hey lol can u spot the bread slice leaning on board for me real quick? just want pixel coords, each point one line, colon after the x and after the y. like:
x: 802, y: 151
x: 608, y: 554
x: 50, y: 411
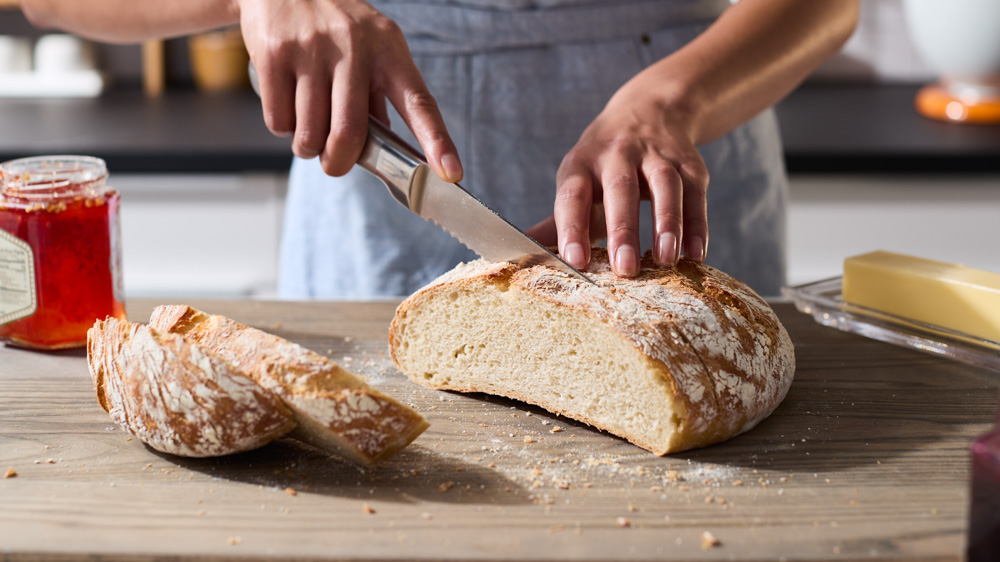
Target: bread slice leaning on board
x: 176, y: 396
x: 673, y: 359
x: 333, y: 408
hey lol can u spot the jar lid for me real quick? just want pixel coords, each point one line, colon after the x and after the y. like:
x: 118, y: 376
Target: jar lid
x: 49, y: 176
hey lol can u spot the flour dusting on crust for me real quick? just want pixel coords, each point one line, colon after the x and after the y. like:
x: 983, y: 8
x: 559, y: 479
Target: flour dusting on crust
x: 722, y: 355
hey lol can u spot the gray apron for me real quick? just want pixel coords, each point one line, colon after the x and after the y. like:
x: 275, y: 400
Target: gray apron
x: 517, y: 82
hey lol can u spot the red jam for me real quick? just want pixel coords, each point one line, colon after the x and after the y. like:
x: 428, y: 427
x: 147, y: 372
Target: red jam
x: 60, y: 253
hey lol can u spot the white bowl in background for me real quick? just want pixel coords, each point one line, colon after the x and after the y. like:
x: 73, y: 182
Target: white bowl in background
x: 15, y: 54
x: 62, y: 54
x: 959, y: 39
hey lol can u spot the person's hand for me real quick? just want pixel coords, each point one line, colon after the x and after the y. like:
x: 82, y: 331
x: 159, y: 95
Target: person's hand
x: 637, y: 148
x: 324, y: 65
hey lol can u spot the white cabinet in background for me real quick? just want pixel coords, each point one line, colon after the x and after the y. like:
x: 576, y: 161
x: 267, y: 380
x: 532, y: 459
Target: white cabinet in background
x: 947, y: 218
x: 200, y: 235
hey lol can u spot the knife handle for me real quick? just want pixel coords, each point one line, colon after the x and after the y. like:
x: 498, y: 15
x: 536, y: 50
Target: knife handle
x: 392, y: 160
x: 385, y: 155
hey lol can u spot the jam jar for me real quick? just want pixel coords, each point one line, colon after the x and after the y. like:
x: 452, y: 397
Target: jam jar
x: 60, y: 251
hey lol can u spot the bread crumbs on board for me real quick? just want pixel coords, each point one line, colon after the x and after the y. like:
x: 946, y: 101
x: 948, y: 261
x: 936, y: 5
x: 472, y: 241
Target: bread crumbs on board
x: 708, y: 541
x: 11, y: 473
x: 291, y: 491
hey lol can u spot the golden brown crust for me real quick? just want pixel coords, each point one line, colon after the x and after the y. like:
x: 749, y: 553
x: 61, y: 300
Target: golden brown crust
x: 334, y: 409
x: 724, y: 358
x: 177, y: 397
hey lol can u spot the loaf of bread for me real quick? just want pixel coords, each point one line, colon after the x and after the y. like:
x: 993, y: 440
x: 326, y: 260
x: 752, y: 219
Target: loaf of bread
x: 673, y: 359
x: 333, y: 409
x: 177, y: 397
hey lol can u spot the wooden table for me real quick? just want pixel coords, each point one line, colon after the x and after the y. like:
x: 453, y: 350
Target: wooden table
x: 867, y: 457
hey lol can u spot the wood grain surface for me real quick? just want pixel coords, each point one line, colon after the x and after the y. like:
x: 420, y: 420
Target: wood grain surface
x: 866, y: 458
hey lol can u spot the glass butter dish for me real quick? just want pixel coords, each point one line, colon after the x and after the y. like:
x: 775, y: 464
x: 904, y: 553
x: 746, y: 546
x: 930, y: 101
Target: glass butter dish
x: 822, y: 300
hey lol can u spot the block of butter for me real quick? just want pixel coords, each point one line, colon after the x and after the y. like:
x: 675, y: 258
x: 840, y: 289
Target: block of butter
x: 947, y: 295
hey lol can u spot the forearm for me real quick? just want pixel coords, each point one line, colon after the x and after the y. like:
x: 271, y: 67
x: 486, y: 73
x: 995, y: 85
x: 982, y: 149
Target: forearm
x: 127, y: 21
x: 751, y: 57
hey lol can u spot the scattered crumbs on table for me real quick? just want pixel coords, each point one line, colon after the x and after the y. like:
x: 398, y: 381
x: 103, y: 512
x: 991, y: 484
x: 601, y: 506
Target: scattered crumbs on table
x: 708, y: 541
x: 623, y: 522
x: 445, y: 486
x: 291, y: 491
x: 233, y: 541
x: 11, y: 473
x: 367, y: 509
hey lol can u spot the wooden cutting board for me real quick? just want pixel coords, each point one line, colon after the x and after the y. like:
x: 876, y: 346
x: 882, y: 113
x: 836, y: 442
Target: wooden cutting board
x: 867, y: 457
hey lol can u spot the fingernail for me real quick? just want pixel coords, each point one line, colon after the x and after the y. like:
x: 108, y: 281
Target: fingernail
x: 573, y: 254
x: 666, y: 249
x: 695, y: 250
x: 626, y: 260
x: 452, y: 168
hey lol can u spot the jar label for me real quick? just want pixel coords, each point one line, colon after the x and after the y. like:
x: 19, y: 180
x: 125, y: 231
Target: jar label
x: 17, y: 279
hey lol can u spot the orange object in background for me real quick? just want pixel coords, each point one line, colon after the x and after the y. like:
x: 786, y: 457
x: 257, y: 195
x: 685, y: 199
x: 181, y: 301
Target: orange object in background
x: 60, y: 252
x: 937, y: 102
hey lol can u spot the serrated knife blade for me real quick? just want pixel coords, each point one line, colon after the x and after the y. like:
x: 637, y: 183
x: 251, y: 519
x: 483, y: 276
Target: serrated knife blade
x: 413, y: 184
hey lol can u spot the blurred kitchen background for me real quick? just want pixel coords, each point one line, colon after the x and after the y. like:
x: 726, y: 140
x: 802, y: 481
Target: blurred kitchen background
x: 203, y: 182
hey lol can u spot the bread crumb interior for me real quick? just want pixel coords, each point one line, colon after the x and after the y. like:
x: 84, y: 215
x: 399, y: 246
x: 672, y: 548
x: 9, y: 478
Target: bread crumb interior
x: 503, y: 340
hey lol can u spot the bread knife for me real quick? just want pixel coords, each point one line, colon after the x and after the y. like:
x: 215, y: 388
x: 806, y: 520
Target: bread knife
x: 412, y: 183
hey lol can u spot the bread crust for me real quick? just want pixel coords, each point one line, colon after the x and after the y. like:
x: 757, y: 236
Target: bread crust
x: 334, y: 409
x: 177, y: 397
x: 723, y: 357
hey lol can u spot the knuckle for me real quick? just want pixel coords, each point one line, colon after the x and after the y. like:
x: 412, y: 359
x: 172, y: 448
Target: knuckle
x: 662, y: 172
x: 694, y: 167
x: 572, y: 232
x: 573, y: 192
x: 667, y: 217
x: 386, y: 27
x: 275, y: 51
x: 622, y: 228
x: 347, y: 135
x: 307, y: 141
x: 419, y: 99
x: 621, y: 183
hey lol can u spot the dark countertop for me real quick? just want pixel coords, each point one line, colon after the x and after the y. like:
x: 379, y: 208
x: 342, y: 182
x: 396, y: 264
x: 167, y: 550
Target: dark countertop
x: 184, y: 131
x: 869, y: 128
x: 826, y: 129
